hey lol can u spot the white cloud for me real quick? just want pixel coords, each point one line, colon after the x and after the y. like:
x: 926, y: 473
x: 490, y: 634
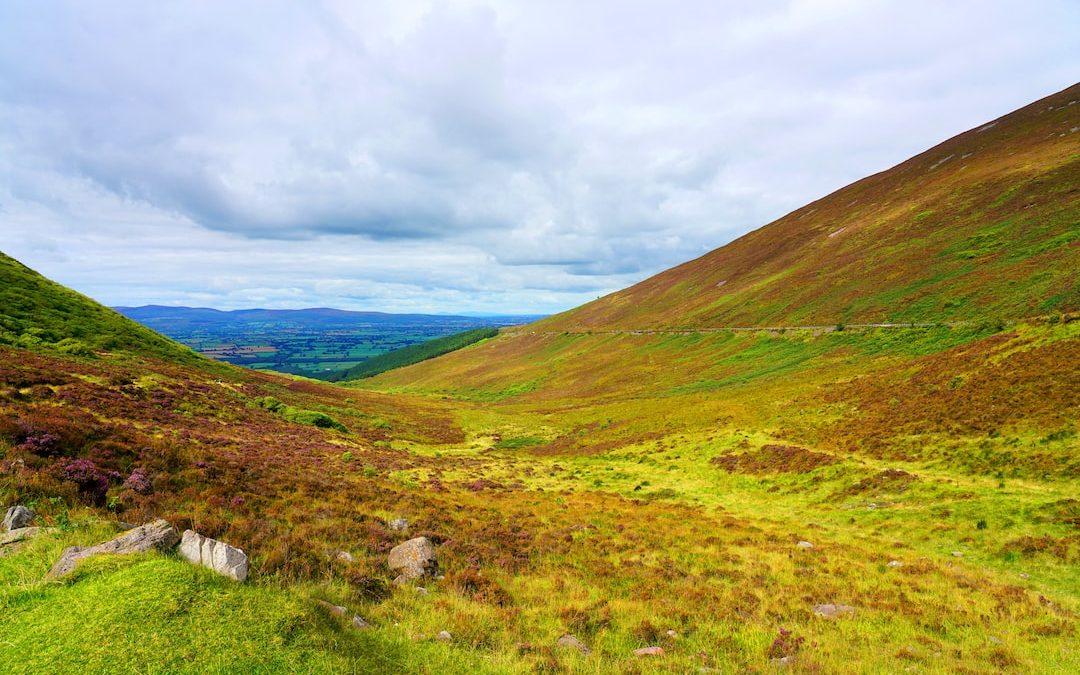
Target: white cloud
x: 467, y: 156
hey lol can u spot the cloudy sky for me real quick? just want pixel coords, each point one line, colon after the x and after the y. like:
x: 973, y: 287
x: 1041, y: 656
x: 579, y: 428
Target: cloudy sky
x: 467, y: 156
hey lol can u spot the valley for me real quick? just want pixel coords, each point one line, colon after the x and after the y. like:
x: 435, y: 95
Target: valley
x: 313, y: 343
x: 844, y: 443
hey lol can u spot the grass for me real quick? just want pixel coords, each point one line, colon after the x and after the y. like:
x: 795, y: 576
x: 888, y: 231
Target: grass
x: 407, y: 356
x: 97, y: 622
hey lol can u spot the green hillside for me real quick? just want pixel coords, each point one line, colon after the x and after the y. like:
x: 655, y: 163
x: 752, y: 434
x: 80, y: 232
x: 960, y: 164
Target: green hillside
x: 39, y: 313
x: 985, y: 224
x: 406, y: 356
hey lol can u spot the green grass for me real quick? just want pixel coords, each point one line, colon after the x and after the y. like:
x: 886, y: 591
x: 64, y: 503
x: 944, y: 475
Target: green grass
x: 157, y: 613
x: 406, y: 356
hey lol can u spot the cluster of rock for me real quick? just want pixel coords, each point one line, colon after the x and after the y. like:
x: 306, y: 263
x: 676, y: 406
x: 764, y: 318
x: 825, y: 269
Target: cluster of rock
x: 158, y: 535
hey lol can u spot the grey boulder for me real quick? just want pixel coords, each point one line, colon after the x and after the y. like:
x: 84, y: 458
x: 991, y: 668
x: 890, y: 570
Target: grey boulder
x: 18, y: 517
x: 414, y: 559
x: 226, y: 560
x: 158, y: 535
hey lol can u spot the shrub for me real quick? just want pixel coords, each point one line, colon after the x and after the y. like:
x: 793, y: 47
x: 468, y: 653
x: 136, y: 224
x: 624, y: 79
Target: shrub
x: 139, y: 483
x: 92, y: 482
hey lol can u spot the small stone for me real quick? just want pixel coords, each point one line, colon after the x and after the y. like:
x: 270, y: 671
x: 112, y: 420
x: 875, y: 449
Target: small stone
x: 18, y: 517
x: 336, y: 610
x: 359, y: 623
x: 784, y: 660
x: 444, y: 636
x: 804, y: 544
x: 895, y: 563
x: 995, y: 640
x: 958, y: 554
x: 571, y: 642
x: 672, y: 634
x: 398, y: 524
x: 1025, y: 575
x: 831, y: 611
x: 344, y: 556
x: 649, y: 651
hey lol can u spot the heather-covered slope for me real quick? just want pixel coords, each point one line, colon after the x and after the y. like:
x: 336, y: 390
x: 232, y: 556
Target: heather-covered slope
x: 986, y: 224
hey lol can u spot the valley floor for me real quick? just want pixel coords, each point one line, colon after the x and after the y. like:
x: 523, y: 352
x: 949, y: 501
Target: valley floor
x: 709, y: 495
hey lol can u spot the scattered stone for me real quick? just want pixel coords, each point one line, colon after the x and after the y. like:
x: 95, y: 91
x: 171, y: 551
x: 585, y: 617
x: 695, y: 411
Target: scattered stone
x: 228, y: 561
x: 895, y: 563
x: 159, y: 535
x: 398, y: 524
x: 444, y: 636
x: 672, y: 634
x: 784, y: 660
x: 831, y: 611
x: 415, y: 559
x: 649, y: 651
x: 421, y: 590
x: 20, y: 534
x: 336, y: 610
x: 344, y: 556
x: 1025, y: 575
x: 958, y: 554
x: 18, y: 517
x: 995, y: 640
x: 571, y: 642
x: 804, y: 544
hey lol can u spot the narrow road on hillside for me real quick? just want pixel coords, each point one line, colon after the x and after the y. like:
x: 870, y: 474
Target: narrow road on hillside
x: 735, y: 329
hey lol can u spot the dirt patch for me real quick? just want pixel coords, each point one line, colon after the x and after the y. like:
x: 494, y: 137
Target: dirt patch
x: 775, y: 459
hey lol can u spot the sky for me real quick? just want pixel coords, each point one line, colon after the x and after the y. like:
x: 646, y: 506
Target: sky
x: 467, y: 157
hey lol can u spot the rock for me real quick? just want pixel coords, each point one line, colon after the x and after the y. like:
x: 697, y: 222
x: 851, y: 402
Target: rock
x: 335, y: 610
x: 895, y: 563
x: 1024, y: 575
x: 444, y: 636
x: 398, y: 524
x: 414, y: 558
x: 228, y: 561
x: 804, y: 544
x: 20, y: 534
x: 784, y: 660
x: 159, y: 535
x: 571, y: 642
x: 831, y: 611
x: 672, y: 634
x: 344, y: 556
x: 649, y: 651
x: 958, y: 554
x: 18, y: 517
